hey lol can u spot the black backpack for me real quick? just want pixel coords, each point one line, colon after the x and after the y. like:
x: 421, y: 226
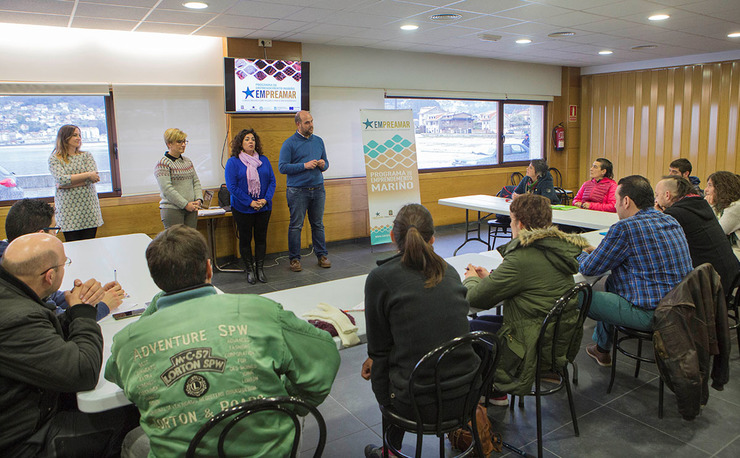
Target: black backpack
x: 224, y: 198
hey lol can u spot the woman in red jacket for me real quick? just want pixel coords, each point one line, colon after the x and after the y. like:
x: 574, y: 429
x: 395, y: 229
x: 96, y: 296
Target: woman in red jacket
x: 598, y: 192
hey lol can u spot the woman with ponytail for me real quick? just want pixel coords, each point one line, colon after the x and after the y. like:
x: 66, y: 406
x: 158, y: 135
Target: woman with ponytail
x: 414, y: 302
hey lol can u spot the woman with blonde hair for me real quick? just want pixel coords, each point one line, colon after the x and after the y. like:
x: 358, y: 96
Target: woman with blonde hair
x: 179, y: 185
x: 414, y: 302
x: 75, y: 173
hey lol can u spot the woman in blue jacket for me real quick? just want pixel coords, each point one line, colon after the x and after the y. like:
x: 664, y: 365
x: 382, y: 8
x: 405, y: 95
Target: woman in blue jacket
x: 251, y: 182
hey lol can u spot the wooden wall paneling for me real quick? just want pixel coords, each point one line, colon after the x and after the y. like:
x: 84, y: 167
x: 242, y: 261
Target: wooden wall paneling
x: 708, y: 127
x: 733, y: 120
x: 670, y: 125
x: 658, y: 100
x: 696, y: 122
x: 722, y: 110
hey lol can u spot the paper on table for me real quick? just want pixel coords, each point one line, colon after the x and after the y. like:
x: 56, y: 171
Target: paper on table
x: 211, y: 212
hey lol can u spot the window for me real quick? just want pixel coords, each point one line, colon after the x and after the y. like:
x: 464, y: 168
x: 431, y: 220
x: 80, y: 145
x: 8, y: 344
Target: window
x: 454, y: 133
x: 28, y: 130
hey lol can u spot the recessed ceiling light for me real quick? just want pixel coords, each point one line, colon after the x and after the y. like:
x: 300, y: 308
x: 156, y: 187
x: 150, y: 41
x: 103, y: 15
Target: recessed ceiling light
x: 606, y: 53
x: 524, y: 41
x: 409, y: 27
x: 445, y: 17
x: 658, y: 17
x: 733, y: 35
x: 561, y: 34
x: 195, y: 5
x: 638, y: 47
x: 489, y: 37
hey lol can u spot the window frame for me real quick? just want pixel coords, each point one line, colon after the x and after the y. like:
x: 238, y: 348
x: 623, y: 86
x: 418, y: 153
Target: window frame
x: 112, y: 147
x: 500, y: 122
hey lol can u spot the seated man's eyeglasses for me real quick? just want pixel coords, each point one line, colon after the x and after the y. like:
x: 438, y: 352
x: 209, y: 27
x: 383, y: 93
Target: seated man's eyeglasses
x: 65, y: 263
x: 52, y: 230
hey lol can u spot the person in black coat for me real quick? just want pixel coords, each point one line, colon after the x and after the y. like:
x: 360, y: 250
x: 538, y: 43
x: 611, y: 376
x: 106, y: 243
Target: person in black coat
x: 538, y: 181
x: 676, y: 196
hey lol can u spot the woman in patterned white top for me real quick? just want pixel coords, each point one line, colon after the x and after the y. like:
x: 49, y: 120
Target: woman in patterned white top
x: 179, y: 185
x: 76, y: 199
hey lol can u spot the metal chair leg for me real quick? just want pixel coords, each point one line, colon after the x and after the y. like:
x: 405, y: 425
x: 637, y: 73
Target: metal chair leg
x: 615, y: 335
x: 639, y: 355
x: 571, y: 404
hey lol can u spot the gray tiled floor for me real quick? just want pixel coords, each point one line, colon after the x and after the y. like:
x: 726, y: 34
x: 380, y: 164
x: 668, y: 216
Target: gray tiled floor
x: 621, y: 424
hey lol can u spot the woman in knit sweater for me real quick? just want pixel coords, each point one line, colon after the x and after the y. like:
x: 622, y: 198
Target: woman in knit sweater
x: 179, y: 185
x: 76, y: 199
x: 723, y: 194
x: 598, y: 192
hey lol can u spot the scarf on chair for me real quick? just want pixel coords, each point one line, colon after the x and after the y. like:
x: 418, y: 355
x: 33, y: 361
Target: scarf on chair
x: 253, y: 178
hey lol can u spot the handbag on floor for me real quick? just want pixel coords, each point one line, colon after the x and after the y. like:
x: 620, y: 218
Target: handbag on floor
x: 489, y: 441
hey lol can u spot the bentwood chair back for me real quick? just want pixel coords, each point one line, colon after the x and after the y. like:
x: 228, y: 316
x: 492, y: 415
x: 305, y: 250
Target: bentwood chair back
x: 553, y: 336
x: 281, y: 405
x: 433, y: 365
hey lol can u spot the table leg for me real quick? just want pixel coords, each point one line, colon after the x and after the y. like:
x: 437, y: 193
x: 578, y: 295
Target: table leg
x: 212, y: 242
x: 475, y: 229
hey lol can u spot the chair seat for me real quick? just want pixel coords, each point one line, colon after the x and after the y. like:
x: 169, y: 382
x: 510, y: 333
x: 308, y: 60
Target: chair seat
x: 410, y: 425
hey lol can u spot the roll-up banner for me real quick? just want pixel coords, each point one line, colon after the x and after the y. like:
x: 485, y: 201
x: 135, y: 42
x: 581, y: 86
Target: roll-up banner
x: 389, y: 147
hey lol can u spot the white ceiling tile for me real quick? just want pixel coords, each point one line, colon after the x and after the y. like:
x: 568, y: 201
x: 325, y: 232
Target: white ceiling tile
x: 488, y: 6
x: 606, y: 26
x: 179, y: 17
x: 242, y: 22
x: 575, y: 4
x: 533, y: 12
x: 214, y: 6
x: 311, y: 14
x: 284, y: 25
x: 710, y: 6
x: 231, y: 32
x: 356, y: 19
x: 489, y: 22
x: 627, y: 8
x: 36, y: 6
x: 34, y: 19
x: 331, y: 29
x: 571, y: 19
x: 263, y: 9
x: 351, y: 41
x: 137, y: 3
x: 393, y: 9
x: 157, y: 27
x: 92, y: 10
x: 103, y: 24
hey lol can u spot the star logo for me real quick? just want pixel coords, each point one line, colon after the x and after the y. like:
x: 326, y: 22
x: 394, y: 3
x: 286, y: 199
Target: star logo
x: 367, y: 123
x: 248, y: 93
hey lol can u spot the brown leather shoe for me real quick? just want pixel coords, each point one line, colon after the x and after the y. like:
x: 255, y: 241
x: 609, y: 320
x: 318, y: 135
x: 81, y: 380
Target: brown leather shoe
x: 604, y: 359
x: 295, y: 265
x: 323, y: 262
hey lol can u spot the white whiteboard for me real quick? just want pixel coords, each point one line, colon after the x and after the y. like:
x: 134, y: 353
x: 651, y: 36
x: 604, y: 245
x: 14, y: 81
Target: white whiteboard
x: 336, y: 118
x: 143, y: 113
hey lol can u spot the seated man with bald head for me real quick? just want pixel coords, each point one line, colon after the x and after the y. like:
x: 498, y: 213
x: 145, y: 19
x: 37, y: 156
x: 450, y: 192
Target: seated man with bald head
x: 43, y: 355
x: 676, y: 196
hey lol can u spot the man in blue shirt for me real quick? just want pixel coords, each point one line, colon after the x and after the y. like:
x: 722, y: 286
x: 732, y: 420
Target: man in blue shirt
x: 647, y: 254
x: 303, y: 160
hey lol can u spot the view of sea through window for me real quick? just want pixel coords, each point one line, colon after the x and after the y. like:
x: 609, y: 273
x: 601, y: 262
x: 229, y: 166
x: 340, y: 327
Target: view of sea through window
x: 28, y: 130
x: 465, y: 133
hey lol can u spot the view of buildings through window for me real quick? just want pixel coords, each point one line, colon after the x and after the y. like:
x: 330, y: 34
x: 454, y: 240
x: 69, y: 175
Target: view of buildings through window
x: 28, y: 130
x: 465, y: 133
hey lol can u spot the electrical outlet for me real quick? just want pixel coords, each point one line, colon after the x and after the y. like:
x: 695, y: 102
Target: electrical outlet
x: 265, y: 43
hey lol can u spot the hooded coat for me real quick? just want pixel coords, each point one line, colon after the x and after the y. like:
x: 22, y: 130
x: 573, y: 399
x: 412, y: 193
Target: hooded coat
x: 537, y: 269
x: 707, y: 240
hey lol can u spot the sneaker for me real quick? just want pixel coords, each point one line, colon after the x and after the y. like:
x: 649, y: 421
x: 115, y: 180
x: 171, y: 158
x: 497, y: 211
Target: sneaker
x: 375, y: 451
x: 323, y: 262
x: 604, y: 359
x: 295, y: 265
x: 501, y: 401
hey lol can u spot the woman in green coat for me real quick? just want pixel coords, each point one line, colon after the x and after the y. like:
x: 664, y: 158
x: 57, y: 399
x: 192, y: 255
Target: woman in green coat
x: 538, y: 268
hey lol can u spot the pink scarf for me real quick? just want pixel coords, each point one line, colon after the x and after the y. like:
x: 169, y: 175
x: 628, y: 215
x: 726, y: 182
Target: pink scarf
x: 253, y: 178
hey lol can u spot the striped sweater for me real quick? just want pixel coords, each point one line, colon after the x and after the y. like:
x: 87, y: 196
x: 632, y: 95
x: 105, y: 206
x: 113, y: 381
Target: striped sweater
x: 178, y: 182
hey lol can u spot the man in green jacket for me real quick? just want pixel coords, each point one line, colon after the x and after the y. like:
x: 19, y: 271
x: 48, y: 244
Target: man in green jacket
x: 538, y: 268
x: 195, y: 353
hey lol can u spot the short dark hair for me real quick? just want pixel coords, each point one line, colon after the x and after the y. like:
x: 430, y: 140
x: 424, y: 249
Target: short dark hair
x: 606, y: 164
x: 177, y: 258
x: 26, y: 217
x: 236, y: 143
x: 532, y: 210
x: 540, y: 166
x: 637, y: 188
x: 679, y: 186
x: 683, y: 165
